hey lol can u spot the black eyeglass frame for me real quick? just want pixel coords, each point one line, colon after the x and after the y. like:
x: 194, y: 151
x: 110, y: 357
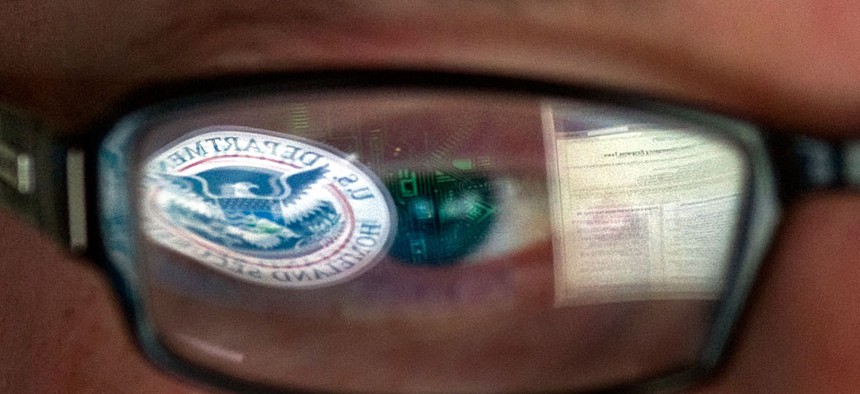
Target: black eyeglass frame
x: 60, y: 193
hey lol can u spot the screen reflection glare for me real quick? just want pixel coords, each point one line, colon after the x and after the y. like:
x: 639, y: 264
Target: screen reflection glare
x: 533, y: 245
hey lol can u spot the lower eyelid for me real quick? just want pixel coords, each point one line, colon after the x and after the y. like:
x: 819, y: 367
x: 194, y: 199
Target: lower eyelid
x: 393, y: 291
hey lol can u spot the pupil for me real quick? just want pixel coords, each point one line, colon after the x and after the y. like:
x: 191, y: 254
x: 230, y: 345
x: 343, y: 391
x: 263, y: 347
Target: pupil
x: 442, y: 217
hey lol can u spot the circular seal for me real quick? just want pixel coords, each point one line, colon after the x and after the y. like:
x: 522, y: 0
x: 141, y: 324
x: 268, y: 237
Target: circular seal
x: 268, y: 208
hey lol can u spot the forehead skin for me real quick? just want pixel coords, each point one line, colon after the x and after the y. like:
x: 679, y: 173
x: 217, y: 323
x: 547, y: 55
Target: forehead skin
x: 792, y: 63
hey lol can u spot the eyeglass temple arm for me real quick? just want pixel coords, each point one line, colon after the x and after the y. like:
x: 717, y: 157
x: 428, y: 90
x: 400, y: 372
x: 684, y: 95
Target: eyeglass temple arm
x: 42, y: 180
x: 804, y: 164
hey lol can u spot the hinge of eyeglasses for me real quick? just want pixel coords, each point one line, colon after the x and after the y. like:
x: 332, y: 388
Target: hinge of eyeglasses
x: 851, y: 163
x: 42, y: 179
x: 76, y: 195
x: 16, y: 169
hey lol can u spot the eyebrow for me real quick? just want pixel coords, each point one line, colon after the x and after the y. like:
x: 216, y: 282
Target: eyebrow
x: 337, y: 32
x: 101, y: 55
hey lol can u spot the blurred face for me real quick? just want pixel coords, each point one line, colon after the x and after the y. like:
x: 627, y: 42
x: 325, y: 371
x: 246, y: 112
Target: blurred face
x: 793, y: 67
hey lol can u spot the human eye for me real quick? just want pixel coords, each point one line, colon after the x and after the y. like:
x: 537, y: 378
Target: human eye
x: 467, y: 176
x: 463, y: 179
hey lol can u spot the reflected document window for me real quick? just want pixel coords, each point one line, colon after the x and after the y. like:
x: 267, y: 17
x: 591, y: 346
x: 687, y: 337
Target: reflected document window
x: 643, y: 210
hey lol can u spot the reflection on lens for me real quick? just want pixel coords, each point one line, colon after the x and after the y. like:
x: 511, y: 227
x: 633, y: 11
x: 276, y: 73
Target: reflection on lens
x: 533, y: 246
x: 642, y: 210
x: 443, y: 216
x: 267, y: 209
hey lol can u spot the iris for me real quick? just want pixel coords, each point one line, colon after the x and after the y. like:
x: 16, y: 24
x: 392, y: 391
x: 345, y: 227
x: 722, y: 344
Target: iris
x: 442, y: 216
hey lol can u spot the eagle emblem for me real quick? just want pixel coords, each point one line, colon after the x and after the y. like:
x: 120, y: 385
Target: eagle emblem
x: 257, y: 211
x: 265, y: 207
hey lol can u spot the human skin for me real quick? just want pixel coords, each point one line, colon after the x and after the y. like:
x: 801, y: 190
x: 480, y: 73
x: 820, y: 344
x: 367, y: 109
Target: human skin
x: 792, y: 65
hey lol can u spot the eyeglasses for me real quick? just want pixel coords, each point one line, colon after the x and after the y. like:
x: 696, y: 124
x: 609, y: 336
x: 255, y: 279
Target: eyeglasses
x: 418, y: 231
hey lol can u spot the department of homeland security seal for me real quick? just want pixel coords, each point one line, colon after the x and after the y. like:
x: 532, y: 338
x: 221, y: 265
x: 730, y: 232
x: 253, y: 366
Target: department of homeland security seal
x: 268, y: 208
